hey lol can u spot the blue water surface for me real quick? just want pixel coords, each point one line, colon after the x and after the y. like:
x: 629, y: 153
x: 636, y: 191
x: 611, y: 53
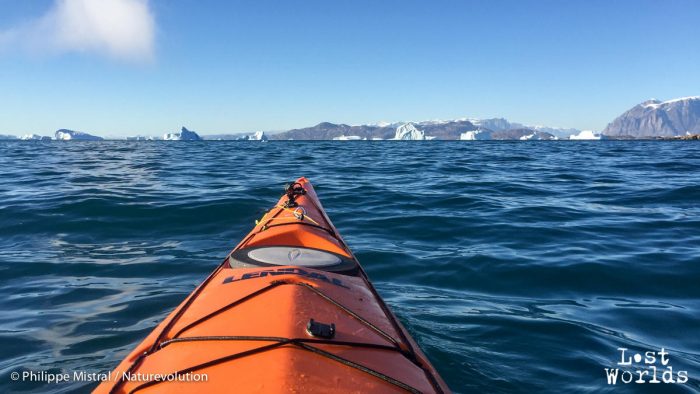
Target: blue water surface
x: 517, y: 266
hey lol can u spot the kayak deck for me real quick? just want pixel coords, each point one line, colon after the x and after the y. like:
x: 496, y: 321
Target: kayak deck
x: 289, y: 310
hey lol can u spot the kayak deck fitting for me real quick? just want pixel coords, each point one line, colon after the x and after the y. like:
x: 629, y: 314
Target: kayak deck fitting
x: 289, y: 310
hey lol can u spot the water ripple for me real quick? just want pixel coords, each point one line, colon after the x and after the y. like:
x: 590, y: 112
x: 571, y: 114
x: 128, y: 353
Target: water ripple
x: 519, y: 267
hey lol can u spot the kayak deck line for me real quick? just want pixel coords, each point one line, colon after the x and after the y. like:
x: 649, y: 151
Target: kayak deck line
x: 275, y: 339
x: 280, y: 341
x: 300, y: 342
x: 306, y: 285
x: 293, y: 284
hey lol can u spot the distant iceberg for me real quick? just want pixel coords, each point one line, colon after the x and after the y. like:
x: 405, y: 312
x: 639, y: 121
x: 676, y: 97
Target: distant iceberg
x: 184, y: 135
x: 492, y: 124
x: 408, y: 131
x: 474, y: 135
x: 348, y: 138
x: 259, y: 136
x: 586, y: 135
x: 36, y: 137
x: 538, y: 136
x: 68, y: 135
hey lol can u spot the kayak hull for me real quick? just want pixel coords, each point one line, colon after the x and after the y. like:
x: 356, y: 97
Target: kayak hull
x: 259, y: 324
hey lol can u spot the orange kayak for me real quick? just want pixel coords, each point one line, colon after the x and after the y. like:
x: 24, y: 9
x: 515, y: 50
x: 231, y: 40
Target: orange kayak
x: 289, y: 310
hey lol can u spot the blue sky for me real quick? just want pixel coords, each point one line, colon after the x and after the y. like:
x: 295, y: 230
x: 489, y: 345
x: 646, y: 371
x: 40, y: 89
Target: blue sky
x: 148, y: 67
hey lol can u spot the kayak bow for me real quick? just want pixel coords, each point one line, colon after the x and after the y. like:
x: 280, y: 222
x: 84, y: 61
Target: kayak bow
x: 289, y: 310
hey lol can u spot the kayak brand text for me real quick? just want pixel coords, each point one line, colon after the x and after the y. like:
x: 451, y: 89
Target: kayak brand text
x: 285, y: 271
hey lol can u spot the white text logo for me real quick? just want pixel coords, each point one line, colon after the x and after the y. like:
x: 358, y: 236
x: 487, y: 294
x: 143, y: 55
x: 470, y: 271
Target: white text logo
x: 649, y: 367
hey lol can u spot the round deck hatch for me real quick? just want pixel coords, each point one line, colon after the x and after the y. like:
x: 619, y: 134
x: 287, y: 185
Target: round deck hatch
x: 288, y: 255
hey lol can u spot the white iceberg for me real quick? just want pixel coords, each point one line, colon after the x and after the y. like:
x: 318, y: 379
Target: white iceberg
x: 30, y: 137
x: 408, y: 131
x: 348, y: 138
x: 492, y: 124
x: 538, y: 136
x: 586, y: 135
x: 259, y: 136
x: 474, y: 135
x: 183, y: 135
x: 67, y: 135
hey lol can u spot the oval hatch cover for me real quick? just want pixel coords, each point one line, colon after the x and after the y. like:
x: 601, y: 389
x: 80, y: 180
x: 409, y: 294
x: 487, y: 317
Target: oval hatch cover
x: 289, y: 255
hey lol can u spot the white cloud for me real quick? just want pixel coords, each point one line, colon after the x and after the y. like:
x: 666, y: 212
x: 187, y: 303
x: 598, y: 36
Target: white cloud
x: 122, y: 29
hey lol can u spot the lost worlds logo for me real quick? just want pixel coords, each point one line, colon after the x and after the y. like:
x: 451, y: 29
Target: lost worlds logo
x: 649, y: 367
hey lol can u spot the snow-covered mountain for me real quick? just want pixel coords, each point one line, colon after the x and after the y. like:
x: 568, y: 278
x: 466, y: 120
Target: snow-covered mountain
x: 432, y: 129
x: 500, y: 124
x: 655, y: 118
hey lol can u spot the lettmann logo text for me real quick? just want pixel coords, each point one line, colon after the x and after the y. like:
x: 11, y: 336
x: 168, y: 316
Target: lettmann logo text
x: 650, y: 367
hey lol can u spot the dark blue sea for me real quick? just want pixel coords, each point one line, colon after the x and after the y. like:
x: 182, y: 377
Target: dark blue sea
x: 518, y: 266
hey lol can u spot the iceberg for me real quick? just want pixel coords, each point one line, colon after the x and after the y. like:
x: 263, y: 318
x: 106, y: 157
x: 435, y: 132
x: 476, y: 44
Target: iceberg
x: 474, y: 135
x: 408, y: 131
x: 492, y: 124
x: 25, y: 137
x: 187, y: 135
x: 538, y: 136
x: 184, y: 135
x: 586, y: 135
x: 68, y: 135
x: 259, y: 136
x: 348, y: 138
